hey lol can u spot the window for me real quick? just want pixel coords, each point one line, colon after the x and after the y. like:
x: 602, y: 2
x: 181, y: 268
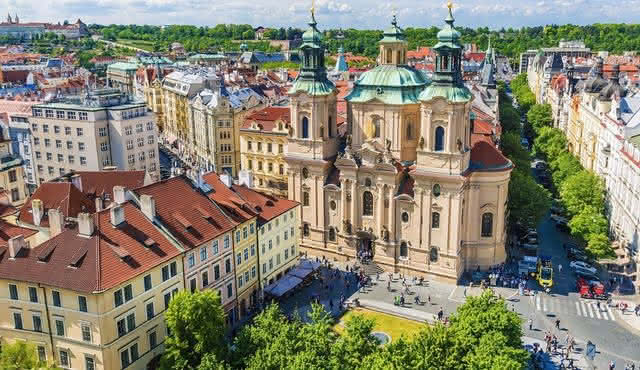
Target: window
x: 147, y: 282
x: 215, y: 247
x: 55, y: 295
x: 305, y: 229
x: 49, y: 156
x: 127, y: 130
x: 33, y: 294
x: 56, y: 129
x: 17, y: 320
x: 82, y: 304
x: 150, y: 139
x: 280, y: 148
x: 167, y: 299
x: 270, y: 244
x: 270, y: 264
x: 435, y: 220
x: 376, y: 125
x: 117, y: 298
x: 191, y: 260
x: 305, y: 198
x: 150, y: 311
x: 229, y: 290
x: 439, y: 139
x: 305, y: 128
x: 48, y: 113
x: 367, y: 203
x: 149, y: 126
x: 139, y: 127
x: 67, y: 130
x: 153, y: 340
x: 128, y: 293
x: 36, y: 141
x: 244, y: 232
x: 253, y: 250
x: 404, y: 250
x: 264, y: 268
x: 487, y: 225
x: 409, y: 134
x: 433, y: 254
x: 227, y: 266
x: 37, y: 323
x: 205, y: 278
x: 405, y: 217
x: 83, y: 116
x: 69, y: 145
x: 286, y: 235
x: 174, y: 269
x: 239, y: 259
x: 81, y: 147
x: 60, y: 114
x: 59, y: 327
x: 246, y: 254
x: 37, y: 113
x: 140, y: 142
x: 436, y: 190
x: 281, y: 169
x: 216, y: 272
x: 47, y: 142
x: 89, y: 363
x: 42, y: 354
x: 64, y: 358
x: 203, y: 254
x: 270, y: 167
x: 60, y: 158
x: 79, y: 131
x: 332, y: 235
x: 86, y: 333
x: 124, y: 358
x: 13, y: 291
x: 240, y: 281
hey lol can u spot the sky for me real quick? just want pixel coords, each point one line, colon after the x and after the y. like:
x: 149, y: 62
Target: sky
x: 361, y: 14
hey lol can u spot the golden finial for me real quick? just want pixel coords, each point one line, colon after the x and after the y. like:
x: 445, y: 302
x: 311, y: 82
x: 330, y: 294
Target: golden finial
x: 313, y: 7
x: 449, y: 5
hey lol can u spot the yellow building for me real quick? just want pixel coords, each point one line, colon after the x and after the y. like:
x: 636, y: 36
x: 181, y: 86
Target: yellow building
x: 263, y: 142
x: 94, y: 295
x: 149, y: 80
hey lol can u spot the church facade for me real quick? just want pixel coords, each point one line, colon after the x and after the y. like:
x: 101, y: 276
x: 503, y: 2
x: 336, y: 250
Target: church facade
x: 412, y: 184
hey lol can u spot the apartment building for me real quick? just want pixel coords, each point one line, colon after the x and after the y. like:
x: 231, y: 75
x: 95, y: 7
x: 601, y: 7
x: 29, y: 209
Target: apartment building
x: 277, y: 239
x: 12, y: 178
x: 18, y: 113
x: 203, y: 231
x: 121, y: 75
x: 94, y: 295
x: 263, y: 141
x: 244, y: 238
x: 104, y: 129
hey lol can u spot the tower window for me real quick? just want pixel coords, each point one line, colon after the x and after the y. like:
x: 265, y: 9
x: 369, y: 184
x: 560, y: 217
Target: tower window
x: 435, y: 220
x: 367, y: 203
x: 487, y: 225
x: 305, y: 128
x: 439, y: 139
x: 305, y: 229
x: 436, y: 190
x: 332, y: 234
x: 376, y: 124
x: 433, y: 254
x: 389, y: 56
x: 305, y: 198
x: 404, y: 250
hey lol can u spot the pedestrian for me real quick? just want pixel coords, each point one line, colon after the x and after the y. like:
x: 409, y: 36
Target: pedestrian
x: 388, y: 286
x: 429, y: 299
x: 560, y: 268
x: 331, y: 304
x: 612, y: 365
x: 440, y: 314
x: 465, y: 292
x: 377, y: 276
x: 558, y: 324
x: 530, y: 322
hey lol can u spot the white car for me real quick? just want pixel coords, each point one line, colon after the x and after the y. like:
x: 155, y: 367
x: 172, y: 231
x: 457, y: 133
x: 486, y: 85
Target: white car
x: 583, y: 266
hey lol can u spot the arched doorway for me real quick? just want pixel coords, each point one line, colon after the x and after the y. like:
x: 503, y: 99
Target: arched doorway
x: 365, y: 246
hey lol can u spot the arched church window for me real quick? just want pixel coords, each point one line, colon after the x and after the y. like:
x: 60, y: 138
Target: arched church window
x: 404, y: 250
x: 436, y: 190
x: 409, y: 133
x: 439, y: 139
x: 332, y: 234
x: 433, y: 254
x: 367, y: 203
x: 399, y: 57
x: 487, y: 225
x: 305, y: 127
x: 305, y: 173
x: 389, y: 56
x: 305, y: 229
x: 435, y: 220
x: 305, y: 198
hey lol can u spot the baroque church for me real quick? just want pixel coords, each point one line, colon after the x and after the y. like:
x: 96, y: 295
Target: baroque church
x: 412, y: 184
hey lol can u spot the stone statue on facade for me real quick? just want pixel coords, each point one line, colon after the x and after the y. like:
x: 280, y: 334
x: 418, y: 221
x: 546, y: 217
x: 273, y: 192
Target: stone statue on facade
x: 290, y: 131
x: 385, y: 234
x: 346, y: 226
x: 421, y: 142
x: 388, y: 145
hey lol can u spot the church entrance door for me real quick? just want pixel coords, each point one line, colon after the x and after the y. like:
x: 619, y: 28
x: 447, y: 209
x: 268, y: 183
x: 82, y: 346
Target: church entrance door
x: 365, y: 249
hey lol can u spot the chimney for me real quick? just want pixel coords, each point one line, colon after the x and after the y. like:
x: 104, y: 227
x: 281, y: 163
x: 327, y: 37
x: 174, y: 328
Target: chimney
x: 245, y: 178
x: 148, y: 206
x: 85, y: 224
x: 99, y: 204
x: 76, y: 180
x: 37, y: 211
x: 226, y: 179
x: 56, y: 222
x: 15, y: 245
x: 119, y: 194
x: 117, y: 215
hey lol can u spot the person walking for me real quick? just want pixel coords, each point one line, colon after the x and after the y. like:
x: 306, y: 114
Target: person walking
x: 530, y: 322
x: 559, y: 268
x: 440, y: 314
x: 558, y: 324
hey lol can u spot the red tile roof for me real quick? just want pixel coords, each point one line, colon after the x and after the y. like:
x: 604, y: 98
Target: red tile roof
x: 233, y: 205
x: 8, y: 231
x: 420, y: 53
x: 194, y: 219
x: 61, y: 195
x: 268, y: 117
x: 482, y: 127
x: 485, y: 156
x: 110, y: 257
x: 476, y: 57
x: 96, y: 183
x: 268, y: 207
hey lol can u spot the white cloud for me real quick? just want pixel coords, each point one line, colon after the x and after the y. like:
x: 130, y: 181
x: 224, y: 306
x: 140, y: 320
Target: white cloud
x: 329, y: 13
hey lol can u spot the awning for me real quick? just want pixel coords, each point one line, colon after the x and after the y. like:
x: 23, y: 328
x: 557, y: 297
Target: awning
x: 282, y: 286
x: 300, y: 272
x: 309, y: 264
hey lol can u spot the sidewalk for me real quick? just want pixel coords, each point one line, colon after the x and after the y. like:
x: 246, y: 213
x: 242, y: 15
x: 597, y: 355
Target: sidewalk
x: 553, y: 361
x: 629, y: 317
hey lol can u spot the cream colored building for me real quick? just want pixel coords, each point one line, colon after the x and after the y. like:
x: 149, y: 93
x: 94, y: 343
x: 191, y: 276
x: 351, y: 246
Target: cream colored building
x: 93, y: 296
x: 263, y: 141
x: 105, y: 129
x: 414, y: 187
x: 12, y: 178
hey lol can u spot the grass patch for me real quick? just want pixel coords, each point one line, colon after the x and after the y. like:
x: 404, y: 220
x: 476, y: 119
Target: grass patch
x: 392, y: 325
x: 141, y: 44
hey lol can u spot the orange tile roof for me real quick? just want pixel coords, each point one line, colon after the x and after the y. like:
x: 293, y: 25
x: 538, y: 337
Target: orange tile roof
x: 8, y: 231
x: 268, y: 117
x: 184, y: 218
x: 97, y: 183
x: 420, y: 53
x: 485, y: 156
x: 268, y: 207
x: 110, y: 257
x: 233, y: 205
x: 61, y: 195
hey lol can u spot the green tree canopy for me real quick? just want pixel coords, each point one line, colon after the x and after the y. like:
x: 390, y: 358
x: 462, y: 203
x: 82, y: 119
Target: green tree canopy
x: 196, y: 322
x: 511, y: 147
x: 550, y: 142
x: 529, y: 202
x: 540, y: 116
x: 599, y: 246
x: 564, y: 166
x: 21, y: 355
x: 582, y: 189
x: 589, y: 221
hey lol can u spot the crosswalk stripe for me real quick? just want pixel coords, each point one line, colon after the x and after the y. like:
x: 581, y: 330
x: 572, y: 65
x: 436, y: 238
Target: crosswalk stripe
x: 590, y: 310
x: 610, y: 313
x: 604, y: 314
x: 584, y: 309
x: 538, y: 302
x: 578, y: 308
x: 597, y: 310
x: 544, y: 301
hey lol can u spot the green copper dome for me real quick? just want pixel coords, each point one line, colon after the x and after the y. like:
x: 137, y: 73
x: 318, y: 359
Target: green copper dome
x: 454, y: 94
x: 448, y: 35
x: 312, y: 35
x: 394, y: 33
x: 391, y: 84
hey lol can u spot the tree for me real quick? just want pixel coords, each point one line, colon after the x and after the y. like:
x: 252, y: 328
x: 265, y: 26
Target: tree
x: 539, y: 116
x: 564, y: 166
x: 580, y: 190
x: 355, y: 344
x: 529, y: 202
x: 550, y: 141
x: 20, y: 355
x: 511, y: 148
x: 599, y: 246
x: 248, y: 35
x: 197, y: 325
x: 588, y: 222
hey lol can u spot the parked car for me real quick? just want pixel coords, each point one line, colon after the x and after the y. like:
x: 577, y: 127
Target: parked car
x: 563, y: 225
x: 585, y: 274
x: 582, y: 265
x: 577, y: 255
x: 525, y: 143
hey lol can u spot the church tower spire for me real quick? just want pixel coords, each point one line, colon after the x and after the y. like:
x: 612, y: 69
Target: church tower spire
x: 393, y: 46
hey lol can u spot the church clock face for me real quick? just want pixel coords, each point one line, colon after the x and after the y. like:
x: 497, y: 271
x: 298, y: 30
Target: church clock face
x: 305, y: 173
